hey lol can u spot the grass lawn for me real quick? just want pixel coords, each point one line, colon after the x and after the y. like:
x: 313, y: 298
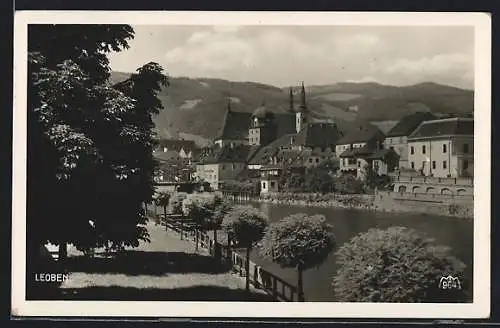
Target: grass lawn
x: 167, y: 268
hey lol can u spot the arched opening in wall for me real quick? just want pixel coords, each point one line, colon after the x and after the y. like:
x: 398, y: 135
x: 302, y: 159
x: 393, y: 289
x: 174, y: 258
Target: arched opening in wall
x: 416, y: 189
x: 430, y: 190
x: 446, y: 191
x: 461, y: 191
x: 402, y: 189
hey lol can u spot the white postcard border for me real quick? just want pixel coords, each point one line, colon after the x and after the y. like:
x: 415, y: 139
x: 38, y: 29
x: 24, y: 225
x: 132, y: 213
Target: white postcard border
x: 480, y: 308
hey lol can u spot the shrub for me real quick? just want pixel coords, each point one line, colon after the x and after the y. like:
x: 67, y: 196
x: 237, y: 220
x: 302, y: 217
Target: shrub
x: 394, y: 265
x: 246, y: 224
x: 300, y: 241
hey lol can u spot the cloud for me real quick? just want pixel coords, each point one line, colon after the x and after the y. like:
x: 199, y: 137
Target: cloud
x: 280, y: 55
x: 364, y: 79
x: 212, y: 51
x: 432, y: 65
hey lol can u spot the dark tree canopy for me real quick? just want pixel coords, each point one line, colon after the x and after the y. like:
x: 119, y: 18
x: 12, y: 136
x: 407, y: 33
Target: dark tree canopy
x: 299, y: 238
x: 395, y: 265
x: 89, y: 142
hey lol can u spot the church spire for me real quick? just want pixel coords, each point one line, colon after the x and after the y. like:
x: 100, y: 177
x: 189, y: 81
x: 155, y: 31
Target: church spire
x: 302, y: 105
x: 291, y: 100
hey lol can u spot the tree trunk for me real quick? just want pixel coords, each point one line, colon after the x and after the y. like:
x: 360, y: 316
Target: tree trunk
x: 63, y: 250
x: 182, y: 227
x: 196, y: 238
x: 247, y: 270
x: 300, y: 287
x: 155, y: 209
x: 215, y: 235
x: 165, y: 213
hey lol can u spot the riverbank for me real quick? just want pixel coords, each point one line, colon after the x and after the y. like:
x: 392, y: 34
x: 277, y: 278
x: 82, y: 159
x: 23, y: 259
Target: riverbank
x: 390, y: 202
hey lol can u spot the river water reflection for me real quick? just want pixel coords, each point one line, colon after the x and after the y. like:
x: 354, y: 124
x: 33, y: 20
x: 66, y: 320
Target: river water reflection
x: 453, y: 232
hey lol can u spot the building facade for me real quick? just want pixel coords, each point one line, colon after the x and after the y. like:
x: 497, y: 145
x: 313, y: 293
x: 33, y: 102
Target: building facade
x: 443, y: 148
x: 397, y: 137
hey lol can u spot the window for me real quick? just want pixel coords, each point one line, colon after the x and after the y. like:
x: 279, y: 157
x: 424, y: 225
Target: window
x: 310, y: 160
x: 412, y: 150
x: 273, y: 184
x: 423, y: 149
x: 444, y: 164
x: 423, y: 165
x: 359, y: 164
x: 466, y: 148
x: 390, y: 140
x: 465, y: 164
x: 413, y: 164
x: 317, y: 160
x: 444, y: 148
x: 433, y: 165
x: 391, y: 148
x: 263, y: 185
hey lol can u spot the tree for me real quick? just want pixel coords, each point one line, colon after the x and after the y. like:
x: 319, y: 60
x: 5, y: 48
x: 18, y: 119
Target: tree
x: 348, y: 184
x: 221, y: 208
x: 199, y: 209
x: 176, y: 207
x: 163, y: 201
x: 395, y: 265
x: 299, y: 241
x: 246, y: 225
x: 318, y: 180
x: 89, y: 142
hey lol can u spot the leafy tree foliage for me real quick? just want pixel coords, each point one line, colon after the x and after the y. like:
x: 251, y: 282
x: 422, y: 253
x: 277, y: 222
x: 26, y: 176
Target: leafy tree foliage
x: 300, y: 241
x: 395, y: 265
x: 89, y: 143
x: 318, y: 180
x: 246, y: 224
x: 176, y: 201
x: 349, y: 184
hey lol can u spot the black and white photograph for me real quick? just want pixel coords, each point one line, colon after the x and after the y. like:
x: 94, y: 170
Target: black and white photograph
x: 313, y: 164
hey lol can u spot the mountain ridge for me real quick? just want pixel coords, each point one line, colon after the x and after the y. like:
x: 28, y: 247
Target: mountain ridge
x: 188, y: 102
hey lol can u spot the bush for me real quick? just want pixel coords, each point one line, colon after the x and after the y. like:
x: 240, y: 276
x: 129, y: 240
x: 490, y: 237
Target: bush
x: 300, y: 241
x: 395, y: 265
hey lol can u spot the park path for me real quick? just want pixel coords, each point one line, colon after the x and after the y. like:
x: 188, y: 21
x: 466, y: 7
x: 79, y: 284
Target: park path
x: 162, y: 269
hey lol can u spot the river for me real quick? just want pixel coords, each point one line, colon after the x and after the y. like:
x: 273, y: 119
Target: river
x: 453, y: 232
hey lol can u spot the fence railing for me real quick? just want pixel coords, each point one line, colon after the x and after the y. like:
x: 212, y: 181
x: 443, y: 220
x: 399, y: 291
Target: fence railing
x: 260, y: 278
x: 434, y: 180
x: 425, y: 196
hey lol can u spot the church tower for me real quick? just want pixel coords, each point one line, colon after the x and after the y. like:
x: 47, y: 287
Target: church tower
x: 301, y: 117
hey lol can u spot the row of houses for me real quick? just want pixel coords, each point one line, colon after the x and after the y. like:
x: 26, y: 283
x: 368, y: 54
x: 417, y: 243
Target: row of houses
x: 263, y: 143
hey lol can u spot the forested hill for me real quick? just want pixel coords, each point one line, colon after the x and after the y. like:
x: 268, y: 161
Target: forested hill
x: 195, y: 106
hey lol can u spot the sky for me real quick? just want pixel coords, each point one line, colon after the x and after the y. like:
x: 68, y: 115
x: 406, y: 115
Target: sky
x: 284, y: 55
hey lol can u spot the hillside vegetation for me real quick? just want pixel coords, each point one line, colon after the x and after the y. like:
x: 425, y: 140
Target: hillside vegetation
x: 195, y: 107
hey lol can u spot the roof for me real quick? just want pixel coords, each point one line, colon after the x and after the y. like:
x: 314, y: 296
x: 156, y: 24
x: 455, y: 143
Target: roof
x: 177, y: 145
x: 236, y: 125
x: 318, y: 135
x: 263, y: 153
x: 166, y: 156
x: 382, y: 154
x: 285, y: 123
x: 409, y: 123
x: 368, y: 149
x: 444, y: 127
x: 227, y: 154
x: 363, y: 133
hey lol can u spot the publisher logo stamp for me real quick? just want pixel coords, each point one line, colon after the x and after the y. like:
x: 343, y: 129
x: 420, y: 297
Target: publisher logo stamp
x: 449, y: 282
